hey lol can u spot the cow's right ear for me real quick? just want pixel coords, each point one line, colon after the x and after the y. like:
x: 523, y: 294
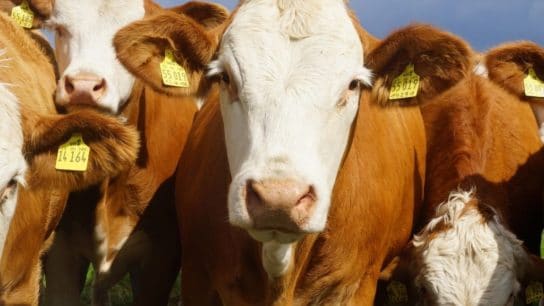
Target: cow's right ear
x: 440, y: 59
x: 508, y: 65
x: 41, y: 9
x: 113, y: 148
x: 191, y: 33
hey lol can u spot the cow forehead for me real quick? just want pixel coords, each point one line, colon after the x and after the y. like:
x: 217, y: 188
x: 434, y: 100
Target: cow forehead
x: 272, y: 41
x: 98, y: 13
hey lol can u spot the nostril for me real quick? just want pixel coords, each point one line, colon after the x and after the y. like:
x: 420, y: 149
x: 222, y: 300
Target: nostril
x: 68, y: 85
x: 308, y: 197
x: 100, y: 86
x: 252, y: 196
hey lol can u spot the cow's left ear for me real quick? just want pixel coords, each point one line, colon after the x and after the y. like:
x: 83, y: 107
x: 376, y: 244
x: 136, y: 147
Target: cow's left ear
x: 509, y: 64
x: 192, y: 33
x: 113, y: 148
x: 530, y: 272
x: 440, y: 59
x: 41, y: 9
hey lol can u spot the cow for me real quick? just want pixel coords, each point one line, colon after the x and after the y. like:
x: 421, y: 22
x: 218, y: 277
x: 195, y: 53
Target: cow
x: 482, y: 212
x: 33, y: 192
x: 126, y: 223
x: 508, y: 65
x: 280, y: 187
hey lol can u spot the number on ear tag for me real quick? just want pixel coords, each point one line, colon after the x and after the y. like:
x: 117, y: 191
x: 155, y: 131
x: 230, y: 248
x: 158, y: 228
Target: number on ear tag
x: 172, y: 72
x: 22, y: 15
x: 397, y: 294
x: 534, y: 87
x: 73, y: 155
x: 406, y: 85
x: 533, y: 293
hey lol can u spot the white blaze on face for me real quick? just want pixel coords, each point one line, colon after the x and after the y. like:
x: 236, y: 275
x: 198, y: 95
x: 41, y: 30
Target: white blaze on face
x: 287, y: 105
x: 471, y: 261
x: 12, y: 162
x: 84, y: 47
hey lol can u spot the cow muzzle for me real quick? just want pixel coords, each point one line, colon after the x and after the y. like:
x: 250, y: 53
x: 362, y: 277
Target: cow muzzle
x: 280, y: 205
x: 82, y: 89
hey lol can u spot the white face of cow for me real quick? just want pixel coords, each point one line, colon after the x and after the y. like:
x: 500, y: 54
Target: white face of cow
x: 12, y: 162
x: 91, y: 73
x: 291, y: 72
x: 468, y: 260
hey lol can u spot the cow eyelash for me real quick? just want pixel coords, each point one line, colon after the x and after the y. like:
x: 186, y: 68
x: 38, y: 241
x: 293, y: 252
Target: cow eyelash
x: 225, y: 78
x: 354, y: 85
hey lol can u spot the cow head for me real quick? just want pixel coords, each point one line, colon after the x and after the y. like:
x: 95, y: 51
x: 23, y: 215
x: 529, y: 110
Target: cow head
x: 290, y: 74
x: 90, y: 73
x: 12, y: 161
x: 466, y: 256
x: 509, y: 64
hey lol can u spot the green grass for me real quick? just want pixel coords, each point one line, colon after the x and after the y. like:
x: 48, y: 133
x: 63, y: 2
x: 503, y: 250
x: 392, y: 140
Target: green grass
x: 121, y: 293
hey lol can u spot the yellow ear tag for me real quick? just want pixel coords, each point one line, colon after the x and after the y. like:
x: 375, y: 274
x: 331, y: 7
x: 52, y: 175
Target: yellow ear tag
x: 406, y: 85
x: 534, y: 87
x: 73, y: 155
x: 22, y: 15
x: 397, y: 294
x: 533, y: 293
x: 172, y: 73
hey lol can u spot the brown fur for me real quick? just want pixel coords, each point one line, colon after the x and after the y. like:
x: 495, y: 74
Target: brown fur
x: 439, y: 58
x: 40, y: 205
x: 221, y: 263
x: 140, y: 46
x: 509, y: 63
x: 136, y: 206
x: 478, y: 135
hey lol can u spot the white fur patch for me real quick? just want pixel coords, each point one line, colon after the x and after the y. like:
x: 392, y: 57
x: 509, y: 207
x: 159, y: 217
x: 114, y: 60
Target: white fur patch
x: 84, y: 35
x: 12, y: 162
x: 481, y: 70
x: 291, y: 63
x: 276, y: 258
x: 464, y: 260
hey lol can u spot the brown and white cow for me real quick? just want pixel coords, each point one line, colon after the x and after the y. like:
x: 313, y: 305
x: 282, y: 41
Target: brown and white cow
x: 484, y: 178
x: 126, y: 223
x: 33, y: 192
x: 294, y: 187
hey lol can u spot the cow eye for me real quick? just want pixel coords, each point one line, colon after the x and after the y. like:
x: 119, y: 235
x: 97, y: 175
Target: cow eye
x: 225, y: 78
x: 7, y: 191
x: 354, y: 85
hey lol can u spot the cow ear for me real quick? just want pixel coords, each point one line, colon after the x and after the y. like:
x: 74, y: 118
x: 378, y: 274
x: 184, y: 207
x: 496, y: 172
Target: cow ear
x: 398, y: 273
x: 193, y: 38
x: 530, y: 267
x: 41, y: 9
x: 440, y: 60
x: 530, y: 271
x: 509, y: 64
x: 113, y: 148
x: 208, y: 15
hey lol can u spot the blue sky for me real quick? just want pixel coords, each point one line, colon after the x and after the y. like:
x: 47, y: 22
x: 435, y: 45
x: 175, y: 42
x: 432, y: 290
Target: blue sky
x: 484, y: 23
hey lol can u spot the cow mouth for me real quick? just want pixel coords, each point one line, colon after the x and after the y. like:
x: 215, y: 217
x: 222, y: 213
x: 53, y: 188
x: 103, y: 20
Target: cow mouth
x: 278, y: 235
x: 73, y: 107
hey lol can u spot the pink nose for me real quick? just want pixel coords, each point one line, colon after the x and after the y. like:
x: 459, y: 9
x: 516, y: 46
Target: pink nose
x: 84, y: 88
x: 284, y: 205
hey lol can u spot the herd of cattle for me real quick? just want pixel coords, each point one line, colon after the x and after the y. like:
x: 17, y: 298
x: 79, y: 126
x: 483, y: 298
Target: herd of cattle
x: 301, y: 161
